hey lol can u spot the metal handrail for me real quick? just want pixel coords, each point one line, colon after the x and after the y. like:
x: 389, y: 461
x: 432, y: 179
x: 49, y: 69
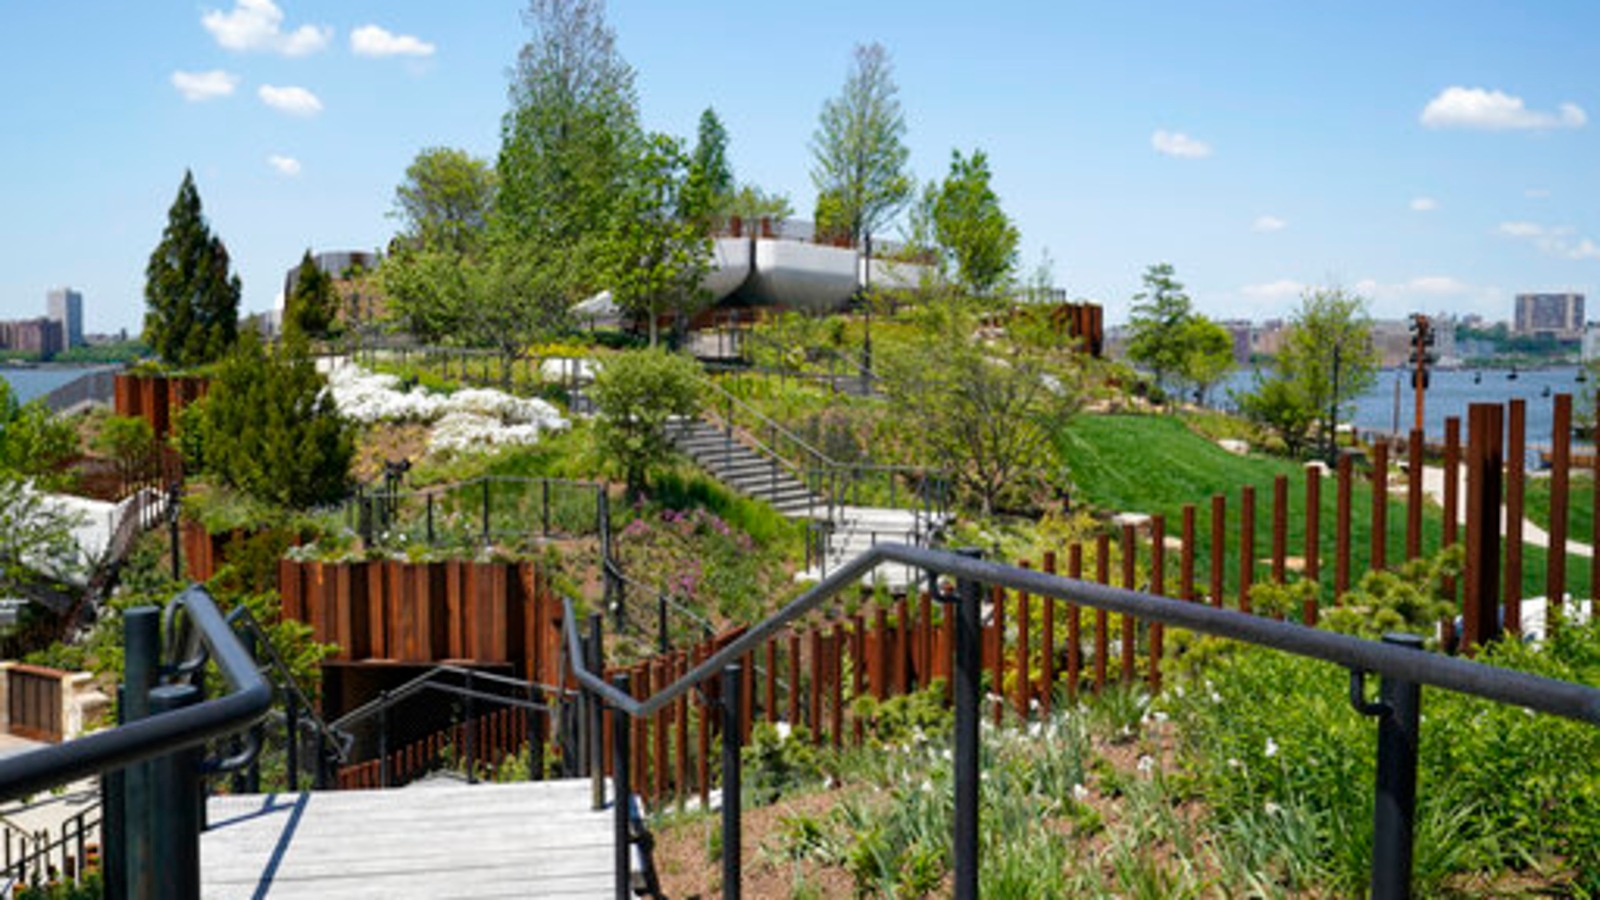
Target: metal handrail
x: 246, y: 703
x: 425, y: 681
x: 1509, y: 686
x: 614, y: 569
x: 338, y: 740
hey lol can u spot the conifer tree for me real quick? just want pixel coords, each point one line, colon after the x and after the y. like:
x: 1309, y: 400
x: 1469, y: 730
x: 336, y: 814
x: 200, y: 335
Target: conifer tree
x: 191, y: 299
x: 309, y: 308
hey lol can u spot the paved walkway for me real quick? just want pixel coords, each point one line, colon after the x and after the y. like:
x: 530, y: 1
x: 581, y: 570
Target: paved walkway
x: 532, y: 839
x: 1433, y: 485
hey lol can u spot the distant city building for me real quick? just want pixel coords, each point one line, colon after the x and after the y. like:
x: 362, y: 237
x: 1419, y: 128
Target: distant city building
x: 1558, y: 315
x: 1239, y: 331
x: 65, y: 305
x: 338, y: 263
x: 1591, y: 343
x: 42, y: 336
x: 1268, y: 338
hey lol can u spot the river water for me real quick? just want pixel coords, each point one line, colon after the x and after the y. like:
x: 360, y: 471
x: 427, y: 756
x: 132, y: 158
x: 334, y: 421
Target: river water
x: 1448, y: 394
x: 28, y: 383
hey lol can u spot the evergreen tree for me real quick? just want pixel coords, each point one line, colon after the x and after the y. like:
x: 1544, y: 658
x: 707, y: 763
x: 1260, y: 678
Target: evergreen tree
x: 191, y: 299
x: 1157, y: 323
x: 268, y: 428
x: 309, y: 309
x: 859, y: 150
x: 708, y: 193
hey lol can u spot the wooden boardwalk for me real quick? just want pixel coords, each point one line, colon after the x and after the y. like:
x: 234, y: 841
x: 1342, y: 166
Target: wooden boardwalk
x: 536, y: 839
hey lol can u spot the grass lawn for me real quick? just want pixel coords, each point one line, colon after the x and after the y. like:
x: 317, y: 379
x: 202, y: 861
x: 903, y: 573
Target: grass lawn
x: 1153, y: 464
x: 1580, y: 517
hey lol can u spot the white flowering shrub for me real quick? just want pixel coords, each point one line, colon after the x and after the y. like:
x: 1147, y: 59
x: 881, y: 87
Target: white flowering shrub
x: 466, y: 419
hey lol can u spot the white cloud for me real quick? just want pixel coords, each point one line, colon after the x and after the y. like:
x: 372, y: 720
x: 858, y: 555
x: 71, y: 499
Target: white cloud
x: 1424, y: 204
x: 1476, y: 108
x: 1521, y: 229
x: 1584, y: 249
x: 371, y: 40
x: 198, y: 86
x: 1269, y: 223
x: 287, y: 166
x: 296, y: 101
x: 258, y: 25
x: 1176, y: 143
x: 1536, y: 193
x: 1282, y: 289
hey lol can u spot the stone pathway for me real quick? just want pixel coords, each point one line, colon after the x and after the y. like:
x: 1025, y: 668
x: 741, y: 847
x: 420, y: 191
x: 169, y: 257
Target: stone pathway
x: 1433, y: 484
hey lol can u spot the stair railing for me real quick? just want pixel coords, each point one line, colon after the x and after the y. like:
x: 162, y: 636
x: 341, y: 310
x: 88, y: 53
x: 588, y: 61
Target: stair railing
x: 1403, y: 666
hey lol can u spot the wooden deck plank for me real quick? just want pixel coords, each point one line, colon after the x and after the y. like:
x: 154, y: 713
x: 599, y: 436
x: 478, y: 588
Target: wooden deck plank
x: 512, y: 840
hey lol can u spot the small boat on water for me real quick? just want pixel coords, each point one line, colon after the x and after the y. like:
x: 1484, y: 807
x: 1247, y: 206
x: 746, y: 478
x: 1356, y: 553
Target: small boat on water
x: 1477, y: 378
x: 1582, y: 376
x: 1512, y: 375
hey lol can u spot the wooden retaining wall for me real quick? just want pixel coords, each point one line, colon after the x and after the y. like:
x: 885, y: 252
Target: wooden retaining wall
x: 390, y: 611
x: 156, y: 398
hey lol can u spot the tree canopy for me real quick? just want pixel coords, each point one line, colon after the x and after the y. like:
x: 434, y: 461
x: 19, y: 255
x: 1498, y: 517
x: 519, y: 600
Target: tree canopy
x: 445, y: 200
x: 310, y: 308
x: 657, y: 246
x: 191, y: 299
x: 858, y: 150
x: 636, y: 393
x: 973, y: 233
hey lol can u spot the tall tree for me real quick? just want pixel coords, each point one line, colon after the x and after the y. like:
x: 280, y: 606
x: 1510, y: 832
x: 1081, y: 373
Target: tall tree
x: 1330, y: 354
x: 1161, y: 313
x: 1208, y: 356
x: 191, y: 299
x: 709, y: 190
x: 636, y: 394
x: 972, y: 231
x: 572, y: 127
x: 445, y: 200
x: 309, y: 308
x: 657, y: 248
x: 858, y: 150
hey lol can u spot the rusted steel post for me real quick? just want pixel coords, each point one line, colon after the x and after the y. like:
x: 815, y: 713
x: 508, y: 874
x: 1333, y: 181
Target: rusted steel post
x: 794, y: 675
x: 1313, y: 551
x: 1516, y: 468
x: 925, y: 640
x: 901, y: 678
x: 1102, y: 572
x: 1380, y: 506
x: 836, y: 680
x: 770, y: 700
x: 1452, y: 502
x: 1280, y: 527
x: 1414, y: 463
x: 1219, y: 543
x: 1047, y: 644
x: 1023, y: 680
x: 1158, y: 586
x: 1480, y: 601
x: 818, y: 673
x: 1560, y: 483
x: 680, y: 664
x: 1074, y: 624
x: 1186, y: 563
x: 858, y: 670
x: 1594, y: 506
x: 1247, y: 545
x: 1341, y: 532
x: 1130, y: 554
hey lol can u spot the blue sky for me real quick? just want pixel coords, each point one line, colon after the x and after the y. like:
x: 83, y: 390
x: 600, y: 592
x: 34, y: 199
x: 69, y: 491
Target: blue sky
x: 1433, y: 155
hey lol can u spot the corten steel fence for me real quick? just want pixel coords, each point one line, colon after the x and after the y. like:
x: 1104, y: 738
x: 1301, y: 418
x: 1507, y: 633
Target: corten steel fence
x: 33, y: 700
x: 653, y: 707
x: 34, y: 858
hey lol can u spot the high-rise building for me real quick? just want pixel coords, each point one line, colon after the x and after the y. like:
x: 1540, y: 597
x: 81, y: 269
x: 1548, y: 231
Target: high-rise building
x: 1557, y: 315
x: 65, y: 305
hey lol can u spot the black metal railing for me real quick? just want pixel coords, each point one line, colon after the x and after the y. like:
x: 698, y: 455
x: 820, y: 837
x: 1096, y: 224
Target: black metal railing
x: 153, y: 764
x: 666, y: 608
x: 305, y: 734
x: 479, y: 510
x: 473, y: 689
x: 1398, y: 661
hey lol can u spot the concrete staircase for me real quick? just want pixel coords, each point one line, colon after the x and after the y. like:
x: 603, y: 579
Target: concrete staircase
x: 754, y: 473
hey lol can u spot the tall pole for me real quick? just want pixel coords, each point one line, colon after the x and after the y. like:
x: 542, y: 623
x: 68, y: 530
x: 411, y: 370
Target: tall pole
x: 1420, y: 379
x: 1333, y: 409
x: 866, y: 340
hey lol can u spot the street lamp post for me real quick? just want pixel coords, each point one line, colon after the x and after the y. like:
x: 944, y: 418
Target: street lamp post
x: 866, y: 340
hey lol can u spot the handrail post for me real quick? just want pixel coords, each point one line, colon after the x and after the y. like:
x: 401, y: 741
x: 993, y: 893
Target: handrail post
x: 486, y: 510
x: 1398, y: 711
x: 291, y: 741
x: 177, y: 804
x: 596, y: 713
x: 622, y: 830
x: 968, y: 665
x: 732, y: 797
x: 113, y: 823
x: 661, y: 622
x: 472, y: 733
x: 141, y: 664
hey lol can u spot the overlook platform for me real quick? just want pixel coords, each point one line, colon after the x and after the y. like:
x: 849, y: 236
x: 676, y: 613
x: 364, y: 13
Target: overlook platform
x: 435, y: 840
